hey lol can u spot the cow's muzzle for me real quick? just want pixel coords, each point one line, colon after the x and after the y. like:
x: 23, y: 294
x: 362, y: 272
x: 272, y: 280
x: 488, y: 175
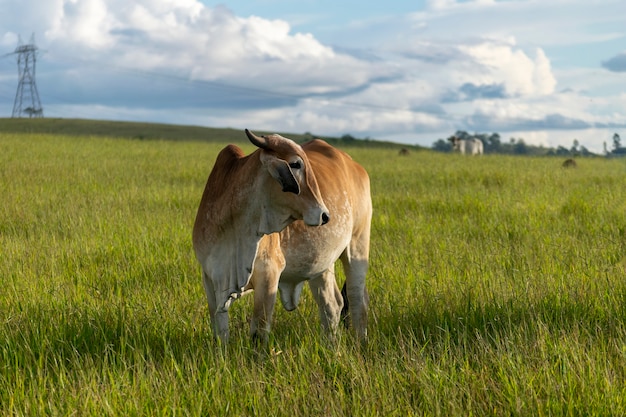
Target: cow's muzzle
x: 317, y: 217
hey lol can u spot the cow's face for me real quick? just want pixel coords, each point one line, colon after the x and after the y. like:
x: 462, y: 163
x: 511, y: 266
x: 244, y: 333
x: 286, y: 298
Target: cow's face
x: 456, y: 143
x: 293, y: 191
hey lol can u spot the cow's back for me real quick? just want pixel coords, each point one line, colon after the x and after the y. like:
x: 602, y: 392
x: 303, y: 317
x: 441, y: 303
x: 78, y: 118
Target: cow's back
x: 477, y: 147
x: 339, y: 176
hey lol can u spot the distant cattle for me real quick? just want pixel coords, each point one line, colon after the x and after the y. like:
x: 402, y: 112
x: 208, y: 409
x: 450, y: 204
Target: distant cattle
x: 471, y: 146
x: 277, y: 218
x: 403, y: 152
x: 569, y: 163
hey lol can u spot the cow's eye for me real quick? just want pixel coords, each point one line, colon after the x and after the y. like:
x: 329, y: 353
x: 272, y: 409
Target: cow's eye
x: 295, y: 165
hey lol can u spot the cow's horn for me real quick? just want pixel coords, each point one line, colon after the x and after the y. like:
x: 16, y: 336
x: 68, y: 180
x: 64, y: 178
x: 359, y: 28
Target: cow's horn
x: 260, y: 142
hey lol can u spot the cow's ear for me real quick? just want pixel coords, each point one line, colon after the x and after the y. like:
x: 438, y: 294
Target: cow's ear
x: 280, y: 171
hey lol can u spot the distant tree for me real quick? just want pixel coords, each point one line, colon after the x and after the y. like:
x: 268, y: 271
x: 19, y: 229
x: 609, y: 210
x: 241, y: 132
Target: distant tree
x: 520, y: 147
x: 492, y: 143
x: 617, y: 141
x: 348, y: 138
x: 462, y: 134
x: 494, y: 138
x: 619, y: 151
x: 562, y: 151
x: 575, y: 145
x: 442, y: 146
x: 585, y: 152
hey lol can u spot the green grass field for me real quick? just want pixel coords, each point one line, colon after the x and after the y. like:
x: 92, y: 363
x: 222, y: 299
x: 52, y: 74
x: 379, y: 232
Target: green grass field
x: 496, y: 285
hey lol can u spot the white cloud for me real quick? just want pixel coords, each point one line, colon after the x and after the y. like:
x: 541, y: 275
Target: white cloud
x: 85, y: 22
x: 502, y: 63
x: 205, y: 44
x: 9, y: 40
x: 536, y: 22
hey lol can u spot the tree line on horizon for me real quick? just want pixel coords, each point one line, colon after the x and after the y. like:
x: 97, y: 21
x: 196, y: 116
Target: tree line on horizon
x: 493, y: 143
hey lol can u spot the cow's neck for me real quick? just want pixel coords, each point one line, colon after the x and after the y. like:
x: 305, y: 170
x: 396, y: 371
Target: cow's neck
x: 236, y: 234
x: 248, y: 204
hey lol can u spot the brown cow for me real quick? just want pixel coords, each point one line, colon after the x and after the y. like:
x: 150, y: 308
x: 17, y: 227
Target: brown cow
x: 253, y: 231
x: 569, y: 163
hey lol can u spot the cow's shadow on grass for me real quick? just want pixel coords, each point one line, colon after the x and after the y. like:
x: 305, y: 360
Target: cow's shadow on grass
x: 79, y: 335
x: 495, y: 323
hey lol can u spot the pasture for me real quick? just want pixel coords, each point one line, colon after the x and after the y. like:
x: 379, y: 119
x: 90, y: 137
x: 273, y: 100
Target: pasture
x: 496, y: 288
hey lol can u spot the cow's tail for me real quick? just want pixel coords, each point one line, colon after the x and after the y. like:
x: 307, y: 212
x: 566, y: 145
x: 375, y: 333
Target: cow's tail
x: 345, y: 310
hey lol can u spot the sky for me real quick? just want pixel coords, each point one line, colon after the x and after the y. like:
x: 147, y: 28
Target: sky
x: 547, y: 71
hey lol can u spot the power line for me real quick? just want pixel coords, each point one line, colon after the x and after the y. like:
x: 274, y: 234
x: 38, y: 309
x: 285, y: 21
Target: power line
x: 318, y: 97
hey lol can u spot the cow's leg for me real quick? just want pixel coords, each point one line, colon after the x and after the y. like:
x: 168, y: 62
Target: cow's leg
x: 268, y: 266
x: 219, y: 318
x: 357, y: 297
x: 220, y: 326
x: 329, y: 300
x: 265, y: 288
x: 355, y: 263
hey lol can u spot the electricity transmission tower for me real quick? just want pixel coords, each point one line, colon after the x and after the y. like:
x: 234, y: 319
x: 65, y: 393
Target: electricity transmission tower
x: 27, y: 103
